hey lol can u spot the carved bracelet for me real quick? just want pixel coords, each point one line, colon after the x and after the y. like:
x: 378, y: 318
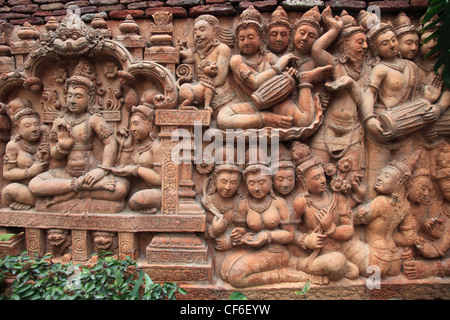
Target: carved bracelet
x: 269, y: 237
x: 370, y: 116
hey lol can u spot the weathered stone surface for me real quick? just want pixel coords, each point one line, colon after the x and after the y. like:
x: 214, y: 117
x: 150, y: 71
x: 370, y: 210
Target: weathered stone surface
x: 291, y: 5
x: 52, y: 6
x: 391, y: 6
x: 18, y: 2
x: 103, y: 2
x: 183, y: 3
x: 122, y: 14
x: 177, y: 12
x: 215, y: 9
x: 26, y: 8
x: 347, y: 5
x: 268, y: 5
x: 78, y: 3
x: 114, y: 7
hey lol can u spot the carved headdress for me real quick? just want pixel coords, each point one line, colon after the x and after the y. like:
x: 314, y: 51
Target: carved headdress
x: 367, y: 20
x: 250, y: 17
x: 350, y: 28
x: 402, y: 25
x: 279, y: 17
x: 224, y: 158
x: 311, y: 17
x: 84, y: 75
x: 405, y: 167
x: 304, y: 161
x: 20, y: 108
x: 147, y: 113
x: 375, y: 32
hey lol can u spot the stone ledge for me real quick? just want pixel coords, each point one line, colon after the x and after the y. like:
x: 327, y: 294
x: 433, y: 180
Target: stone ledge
x: 120, y: 222
x: 395, y: 288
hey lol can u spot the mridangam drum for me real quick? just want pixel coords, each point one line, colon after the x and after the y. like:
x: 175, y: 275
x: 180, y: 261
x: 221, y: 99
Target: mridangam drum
x: 405, y: 118
x: 273, y: 91
x: 442, y: 125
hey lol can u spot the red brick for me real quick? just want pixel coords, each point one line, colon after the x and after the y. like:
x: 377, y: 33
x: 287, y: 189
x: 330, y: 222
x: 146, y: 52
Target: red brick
x: 32, y: 20
x: 26, y: 8
x: 268, y: 5
x: 214, y: 9
x: 122, y: 14
x: 391, y: 6
x: 350, y: 5
x: 215, y: 1
x: 18, y: 2
x: 177, y: 12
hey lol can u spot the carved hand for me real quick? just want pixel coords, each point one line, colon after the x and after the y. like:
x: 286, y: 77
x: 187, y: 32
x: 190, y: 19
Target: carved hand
x: 432, y: 113
x: 37, y: 167
x: 283, y: 61
x: 65, y: 138
x: 374, y: 127
x: 432, y: 226
x: 125, y: 171
x: 329, y: 21
x: 218, y: 225
x: 325, y: 218
x: 315, y: 240
x: 236, y: 235
x: 93, y: 176
x: 125, y: 138
x: 185, y: 52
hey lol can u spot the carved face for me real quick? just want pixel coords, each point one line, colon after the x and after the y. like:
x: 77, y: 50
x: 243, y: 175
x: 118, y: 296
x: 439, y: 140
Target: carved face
x: 203, y: 33
x: 30, y: 129
x: 387, y: 180
x: 110, y: 69
x: 316, y: 182
x: 284, y: 181
x: 56, y: 237
x: 140, y: 128
x: 357, y: 46
x: 77, y: 99
x: 387, y: 45
x: 103, y: 240
x: 428, y: 46
x: 278, y: 39
x: 409, y: 45
x: 249, y: 41
x: 444, y: 186
x: 258, y: 185
x: 227, y: 184
x: 304, y: 38
x: 420, y: 190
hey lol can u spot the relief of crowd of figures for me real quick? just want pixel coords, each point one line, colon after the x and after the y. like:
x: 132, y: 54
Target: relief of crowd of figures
x: 363, y: 174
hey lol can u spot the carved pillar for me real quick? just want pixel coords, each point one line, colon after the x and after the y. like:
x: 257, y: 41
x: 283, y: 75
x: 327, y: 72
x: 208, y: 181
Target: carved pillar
x: 131, y: 38
x: 161, y: 48
x: 35, y: 241
x: 128, y: 245
x: 81, y: 245
x: 28, y: 36
x: 180, y: 256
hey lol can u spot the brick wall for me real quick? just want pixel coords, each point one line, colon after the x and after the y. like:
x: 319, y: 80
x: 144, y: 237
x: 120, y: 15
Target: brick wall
x: 38, y: 12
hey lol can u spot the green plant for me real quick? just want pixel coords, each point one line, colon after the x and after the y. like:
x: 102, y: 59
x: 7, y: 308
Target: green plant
x: 441, y: 27
x: 6, y: 236
x: 238, y: 296
x: 305, y: 289
x: 108, y: 279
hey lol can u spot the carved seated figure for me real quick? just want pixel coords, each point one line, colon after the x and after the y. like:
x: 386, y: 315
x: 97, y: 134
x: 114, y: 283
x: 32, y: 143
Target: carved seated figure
x: 433, y: 243
x: 27, y: 155
x: 84, y: 176
x: 265, y: 83
x: 146, y: 159
x: 60, y: 243
x: 324, y: 245
x: 264, y: 227
x: 388, y: 218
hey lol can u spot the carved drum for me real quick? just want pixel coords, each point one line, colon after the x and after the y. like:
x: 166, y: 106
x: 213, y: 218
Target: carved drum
x: 273, y: 91
x: 404, y: 118
x: 442, y: 125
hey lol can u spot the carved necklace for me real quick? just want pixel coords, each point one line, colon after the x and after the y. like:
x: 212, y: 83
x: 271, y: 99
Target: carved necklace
x: 224, y: 207
x: 27, y: 147
x: 260, y: 207
x: 400, y: 67
x: 74, y: 120
x: 355, y: 75
x: 322, y: 202
x: 253, y: 63
x: 427, y: 68
x: 145, y: 146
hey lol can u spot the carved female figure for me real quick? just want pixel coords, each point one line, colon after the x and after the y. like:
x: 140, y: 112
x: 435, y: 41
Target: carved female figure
x: 27, y: 155
x: 221, y: 199
x: 322, y: 249
x: 434, y: 240
x: 146, y: 162
x: 388, y: 219
x: 407, y: 35
x: 265, y: 229
x: 278, y: 32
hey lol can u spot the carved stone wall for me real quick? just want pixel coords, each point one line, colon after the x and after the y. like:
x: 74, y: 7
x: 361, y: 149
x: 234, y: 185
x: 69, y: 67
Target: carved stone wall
x: 255, y: 146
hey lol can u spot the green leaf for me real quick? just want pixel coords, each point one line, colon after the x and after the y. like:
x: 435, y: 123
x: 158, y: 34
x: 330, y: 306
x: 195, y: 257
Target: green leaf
x: 238, y: 296
x: 135, y: 292
x: 434, y: 10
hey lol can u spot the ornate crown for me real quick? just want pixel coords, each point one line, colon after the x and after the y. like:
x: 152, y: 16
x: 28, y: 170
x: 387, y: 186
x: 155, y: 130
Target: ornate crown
x: 279, y: 17
x: 350, y: 25
x: 402, y: 25
x: 250, y: 17
x: 311, y: 17
x: 84, y: 75
x: 20, y: 108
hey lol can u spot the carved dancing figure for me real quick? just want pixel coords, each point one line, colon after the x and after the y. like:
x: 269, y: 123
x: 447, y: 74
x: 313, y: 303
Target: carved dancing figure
x: 389, y: 223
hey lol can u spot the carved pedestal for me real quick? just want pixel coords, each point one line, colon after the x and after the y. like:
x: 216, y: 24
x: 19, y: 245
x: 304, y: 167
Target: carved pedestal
x: 169, y: 254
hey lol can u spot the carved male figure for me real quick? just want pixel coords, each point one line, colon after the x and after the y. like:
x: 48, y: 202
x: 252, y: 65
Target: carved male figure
x: 278, y: 32
x: 75, y: 130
